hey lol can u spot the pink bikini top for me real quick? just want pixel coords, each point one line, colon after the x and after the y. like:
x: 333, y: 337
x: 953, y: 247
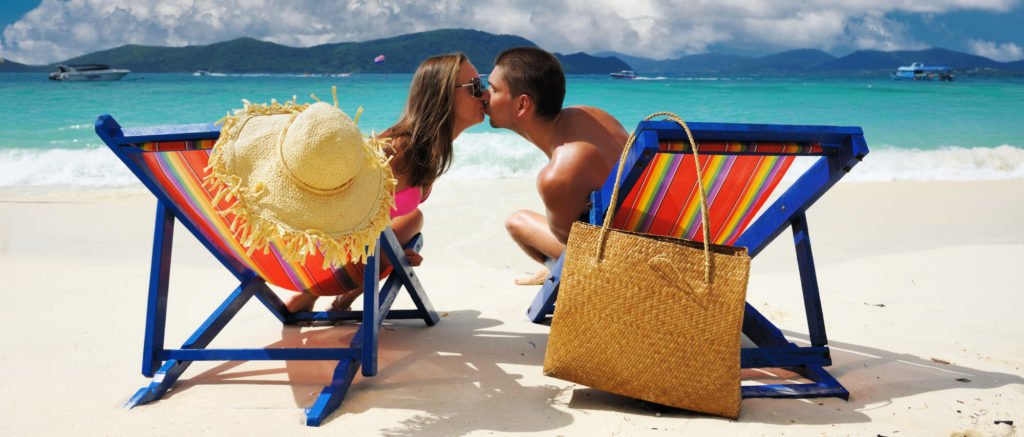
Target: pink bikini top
x: 406, y: 201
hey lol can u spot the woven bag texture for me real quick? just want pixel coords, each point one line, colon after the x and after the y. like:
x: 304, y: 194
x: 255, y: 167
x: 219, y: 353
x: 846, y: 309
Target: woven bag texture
x: 637, y: 318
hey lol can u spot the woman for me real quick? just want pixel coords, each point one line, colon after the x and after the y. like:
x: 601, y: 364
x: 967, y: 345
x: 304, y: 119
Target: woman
x: 445, y: 98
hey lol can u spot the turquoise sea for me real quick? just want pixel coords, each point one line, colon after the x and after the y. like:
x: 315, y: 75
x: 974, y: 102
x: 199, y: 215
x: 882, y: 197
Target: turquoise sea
x: 969, y: 129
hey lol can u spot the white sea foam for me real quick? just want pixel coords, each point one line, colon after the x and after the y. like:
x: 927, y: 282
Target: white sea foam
x: 495, y: 155
x: 953, y: 163
x: 92, y: 167
x: 501, y: 155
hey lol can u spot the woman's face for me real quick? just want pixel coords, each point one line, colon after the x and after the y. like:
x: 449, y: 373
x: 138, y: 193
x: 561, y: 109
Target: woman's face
x: 469, y: 110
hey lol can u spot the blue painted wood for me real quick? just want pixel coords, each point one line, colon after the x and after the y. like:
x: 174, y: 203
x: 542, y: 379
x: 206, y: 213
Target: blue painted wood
x: 809, y: 282
x: 703, y: 131
x: 842, y: 148
x: 273, y: 304
x: 795, y: 391
x: 370, y: 329
x: 543, y: 303
x: 298, y: 354
x: 331, y: 396
x: 172, y: 369
x: 810, y: 186
x: 111, y: 133
x: 790, y: 356
x: 335, y: 316
x: 405, y: 273
x: 639, y: 156
x: 176, y: 361
x: 760, y: 330
x: 223, y: 314
x: 177, y: 132
x: 159, y: 275
x: 392, y: 282
x: 820, y: 376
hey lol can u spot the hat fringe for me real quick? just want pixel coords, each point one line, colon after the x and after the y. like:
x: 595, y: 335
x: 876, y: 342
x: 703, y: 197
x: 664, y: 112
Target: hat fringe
x: 256, y: 233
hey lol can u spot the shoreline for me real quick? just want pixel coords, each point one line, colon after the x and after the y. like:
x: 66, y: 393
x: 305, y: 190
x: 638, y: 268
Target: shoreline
x: 919, y: 283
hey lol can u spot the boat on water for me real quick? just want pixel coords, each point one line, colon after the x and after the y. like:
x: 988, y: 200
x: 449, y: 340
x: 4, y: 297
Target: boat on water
x: 624, y: 74
x: 87, y: 72
x: 918, y: 71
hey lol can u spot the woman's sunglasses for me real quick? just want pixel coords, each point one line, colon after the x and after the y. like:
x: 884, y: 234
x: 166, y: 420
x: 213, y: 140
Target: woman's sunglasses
x: 477, y: 85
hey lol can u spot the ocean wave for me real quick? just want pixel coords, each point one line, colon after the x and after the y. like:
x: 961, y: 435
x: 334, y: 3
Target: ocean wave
x: 494, y: 155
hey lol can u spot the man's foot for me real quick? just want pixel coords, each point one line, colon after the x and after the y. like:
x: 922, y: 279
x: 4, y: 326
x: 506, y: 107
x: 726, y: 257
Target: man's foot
x: 301, y: 302
x: 537, y: 278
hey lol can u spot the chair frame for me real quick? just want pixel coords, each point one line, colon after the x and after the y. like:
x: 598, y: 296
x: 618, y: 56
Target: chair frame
x: 842, y: 148
x: 165, y: 365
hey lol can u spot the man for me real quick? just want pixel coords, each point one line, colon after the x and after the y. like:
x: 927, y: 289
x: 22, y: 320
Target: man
x: 582, y: 143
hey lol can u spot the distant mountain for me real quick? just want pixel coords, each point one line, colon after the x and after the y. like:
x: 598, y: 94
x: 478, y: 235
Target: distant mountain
x: 403, y: 54
x: 582, y: 62
x: 702, y: 63
x: 794, y: 60
x: 9, y: 66
x: 878, y: 60
x: 809, y: 61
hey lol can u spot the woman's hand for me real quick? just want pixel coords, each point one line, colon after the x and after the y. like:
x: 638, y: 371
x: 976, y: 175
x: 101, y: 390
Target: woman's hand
x: 415, y: 258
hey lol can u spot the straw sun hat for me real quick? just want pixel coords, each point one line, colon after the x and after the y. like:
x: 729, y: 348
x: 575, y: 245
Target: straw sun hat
x: 305, y: 181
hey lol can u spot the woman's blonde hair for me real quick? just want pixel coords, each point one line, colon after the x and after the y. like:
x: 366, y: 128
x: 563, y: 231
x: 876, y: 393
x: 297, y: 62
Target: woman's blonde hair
x: 424, y: 130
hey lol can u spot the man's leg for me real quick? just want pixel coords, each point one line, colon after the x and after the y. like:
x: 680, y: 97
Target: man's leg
x: 531, y: 232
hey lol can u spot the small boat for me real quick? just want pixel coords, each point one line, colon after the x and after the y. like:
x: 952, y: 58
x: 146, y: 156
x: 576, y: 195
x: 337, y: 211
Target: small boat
x: 918, y: 71
x: 87, y: 72
x: 624, y: 74
x: 201, y: 72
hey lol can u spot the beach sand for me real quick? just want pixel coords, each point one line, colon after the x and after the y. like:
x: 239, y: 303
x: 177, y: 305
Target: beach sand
x: 921, y: 285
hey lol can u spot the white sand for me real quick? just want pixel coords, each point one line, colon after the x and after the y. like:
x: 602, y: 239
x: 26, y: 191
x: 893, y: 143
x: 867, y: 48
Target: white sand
x: 921, y: 286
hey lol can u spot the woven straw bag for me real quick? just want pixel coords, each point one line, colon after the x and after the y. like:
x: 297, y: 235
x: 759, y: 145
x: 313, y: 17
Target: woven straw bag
x: 650, y: 317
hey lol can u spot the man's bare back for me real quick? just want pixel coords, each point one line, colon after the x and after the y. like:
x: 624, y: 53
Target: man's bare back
x: 591, y: 141
x: 582, y: 143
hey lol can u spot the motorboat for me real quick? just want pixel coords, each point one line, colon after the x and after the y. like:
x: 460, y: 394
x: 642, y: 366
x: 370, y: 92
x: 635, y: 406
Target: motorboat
x: 624, y: 74
x: 918, y: 71
x: 87, y: 72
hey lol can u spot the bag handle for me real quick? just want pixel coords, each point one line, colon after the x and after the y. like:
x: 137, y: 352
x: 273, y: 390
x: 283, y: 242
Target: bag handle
x: 700, y: 183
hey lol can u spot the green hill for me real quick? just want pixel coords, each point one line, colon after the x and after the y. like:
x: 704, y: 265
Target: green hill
x: 9, y: 66
x: 403, y: 54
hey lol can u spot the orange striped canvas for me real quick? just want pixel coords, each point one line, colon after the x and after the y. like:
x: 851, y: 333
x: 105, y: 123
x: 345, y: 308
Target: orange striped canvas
x: 179, y: 174
x: 739, y: 178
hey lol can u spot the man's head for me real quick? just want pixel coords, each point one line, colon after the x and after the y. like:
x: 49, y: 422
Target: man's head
x: 525, y: 80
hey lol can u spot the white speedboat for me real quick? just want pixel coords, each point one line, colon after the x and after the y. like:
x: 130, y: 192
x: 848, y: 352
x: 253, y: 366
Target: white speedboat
x: 87, y: 72
x: 918, y: 71
x: 624, y: 74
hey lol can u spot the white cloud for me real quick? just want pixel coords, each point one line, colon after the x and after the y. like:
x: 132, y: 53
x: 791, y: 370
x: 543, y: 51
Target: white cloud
x: 60, y: 29
x: 1004, y: 52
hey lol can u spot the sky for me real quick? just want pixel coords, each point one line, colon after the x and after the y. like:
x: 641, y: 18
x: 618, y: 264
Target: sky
x: 47, y: 31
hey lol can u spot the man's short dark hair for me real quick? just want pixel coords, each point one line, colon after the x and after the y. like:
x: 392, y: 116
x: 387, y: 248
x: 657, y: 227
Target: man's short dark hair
x: 536, y: 73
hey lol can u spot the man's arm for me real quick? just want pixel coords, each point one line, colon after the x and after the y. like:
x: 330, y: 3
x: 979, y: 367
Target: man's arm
x: 565, y: 185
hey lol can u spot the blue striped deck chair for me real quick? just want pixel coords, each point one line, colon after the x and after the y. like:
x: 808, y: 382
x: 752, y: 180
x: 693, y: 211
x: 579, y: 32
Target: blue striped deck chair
x: 171, y: 162
x: 743, y: 164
